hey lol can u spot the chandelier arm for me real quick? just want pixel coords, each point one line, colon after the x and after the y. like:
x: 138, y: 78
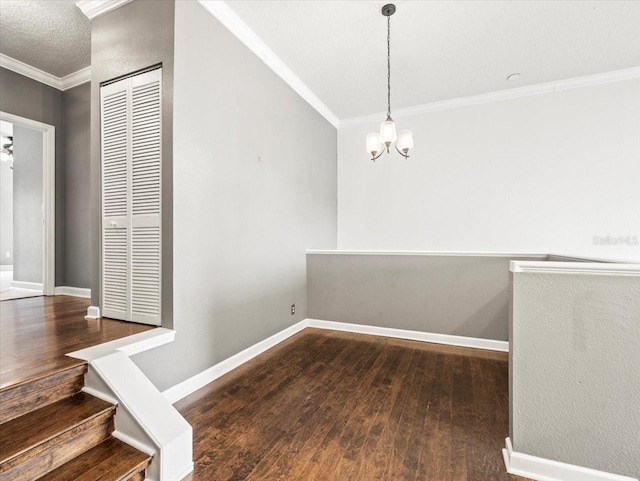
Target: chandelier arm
x: 406, y: 156
x: 378, y: 156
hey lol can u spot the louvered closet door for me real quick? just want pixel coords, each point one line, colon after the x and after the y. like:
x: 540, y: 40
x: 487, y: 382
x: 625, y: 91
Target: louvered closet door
x: 115, y: 195
x: 131, y: 207
x: 145, y: 197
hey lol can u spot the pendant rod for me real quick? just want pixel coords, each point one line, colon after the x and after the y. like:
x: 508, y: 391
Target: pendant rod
x: 389, y: 66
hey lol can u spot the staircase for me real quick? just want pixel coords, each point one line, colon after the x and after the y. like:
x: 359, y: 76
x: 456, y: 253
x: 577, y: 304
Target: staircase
x: 50, y: 430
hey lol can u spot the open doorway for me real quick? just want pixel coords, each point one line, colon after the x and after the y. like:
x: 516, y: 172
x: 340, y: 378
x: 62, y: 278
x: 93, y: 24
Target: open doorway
x: 27, y: 242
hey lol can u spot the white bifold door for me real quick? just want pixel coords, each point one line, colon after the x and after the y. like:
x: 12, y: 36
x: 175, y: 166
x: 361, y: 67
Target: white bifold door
x: 131, y: 126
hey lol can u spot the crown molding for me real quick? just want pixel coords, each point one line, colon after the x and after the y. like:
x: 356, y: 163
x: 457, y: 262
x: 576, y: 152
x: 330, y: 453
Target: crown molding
x: 29, y: 71
x: 227, y: 17
x: 72, y: 80
x: 76, y: 78
x: 536, y: 89
x: 95, y: 8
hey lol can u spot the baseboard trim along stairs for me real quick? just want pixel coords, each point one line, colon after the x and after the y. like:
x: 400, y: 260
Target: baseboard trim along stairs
x: 144, y: 420
x: 541, y: 469
x: 183, y: 389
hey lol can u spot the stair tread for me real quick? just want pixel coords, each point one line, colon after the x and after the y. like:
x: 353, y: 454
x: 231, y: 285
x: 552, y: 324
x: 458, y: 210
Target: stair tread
x: 13, y: 378
x: 34, y: 428
x: 110, y: 460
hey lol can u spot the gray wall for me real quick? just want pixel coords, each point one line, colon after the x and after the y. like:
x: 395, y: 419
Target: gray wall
x: 33, y: 100
x: 76, y: 113
x: 133, y: 37
x: 241, y: 225
x: 575, y: 388
x: 6, y: 213
x: 444, y: 294
x: 28, y: 229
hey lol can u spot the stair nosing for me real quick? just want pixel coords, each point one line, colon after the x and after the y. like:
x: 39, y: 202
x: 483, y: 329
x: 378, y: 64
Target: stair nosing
x: 42, y: 375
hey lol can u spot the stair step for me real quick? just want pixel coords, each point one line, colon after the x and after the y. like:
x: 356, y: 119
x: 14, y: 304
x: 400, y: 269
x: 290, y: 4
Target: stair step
x: 40, y: 390
x: 40, y: 441
x: 111, y: 460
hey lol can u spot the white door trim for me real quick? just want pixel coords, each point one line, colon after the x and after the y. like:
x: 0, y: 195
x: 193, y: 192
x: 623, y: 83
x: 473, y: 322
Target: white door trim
x: 49, y: 194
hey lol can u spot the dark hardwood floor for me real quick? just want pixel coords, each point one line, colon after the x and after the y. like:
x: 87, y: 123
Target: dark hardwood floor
x: 326, y: 405
x: 37, y: 332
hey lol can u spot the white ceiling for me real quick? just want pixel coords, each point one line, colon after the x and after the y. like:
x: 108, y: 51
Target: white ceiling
x: 440, y: 49
x: 51, y: 35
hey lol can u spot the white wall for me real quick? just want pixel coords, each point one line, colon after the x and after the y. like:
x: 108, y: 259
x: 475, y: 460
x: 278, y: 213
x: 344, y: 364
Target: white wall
x: 544, y: 173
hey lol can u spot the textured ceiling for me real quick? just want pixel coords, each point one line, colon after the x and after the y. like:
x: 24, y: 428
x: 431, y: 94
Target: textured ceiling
x: 441, y: 49
x: 52, y: 35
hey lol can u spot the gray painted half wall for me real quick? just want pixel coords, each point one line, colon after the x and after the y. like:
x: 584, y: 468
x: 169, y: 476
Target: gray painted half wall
x: 28, y: 228
x: 465, y: 295
x: 575, y: 380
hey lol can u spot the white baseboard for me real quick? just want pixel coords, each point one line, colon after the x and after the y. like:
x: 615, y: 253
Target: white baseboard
x: 93, y: 312
x: 542, y: 469
x: 32, y: 286
x: 461, y: 341
x: 194, y: 383
x: 183, y: 389
x: 72, y: 291
x: 5, y: 268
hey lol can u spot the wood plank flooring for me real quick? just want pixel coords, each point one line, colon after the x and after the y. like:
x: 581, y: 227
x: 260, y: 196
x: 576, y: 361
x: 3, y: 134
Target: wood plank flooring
x: 36, y: 333
x: 326, y: 405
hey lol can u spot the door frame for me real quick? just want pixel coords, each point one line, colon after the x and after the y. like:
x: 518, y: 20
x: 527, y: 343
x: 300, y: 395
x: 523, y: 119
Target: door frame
x: 48, y: 195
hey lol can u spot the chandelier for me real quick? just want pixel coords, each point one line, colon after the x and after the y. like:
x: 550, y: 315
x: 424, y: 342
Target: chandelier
x: 377, y: 143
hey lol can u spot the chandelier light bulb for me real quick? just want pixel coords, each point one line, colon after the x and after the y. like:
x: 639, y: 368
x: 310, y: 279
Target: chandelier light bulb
x: 388, y: 132
x: 373, y: 143
x: 405, y: 141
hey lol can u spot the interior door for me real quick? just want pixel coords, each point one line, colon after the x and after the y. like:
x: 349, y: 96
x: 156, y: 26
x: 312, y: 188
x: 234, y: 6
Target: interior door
x: 131, y: 137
